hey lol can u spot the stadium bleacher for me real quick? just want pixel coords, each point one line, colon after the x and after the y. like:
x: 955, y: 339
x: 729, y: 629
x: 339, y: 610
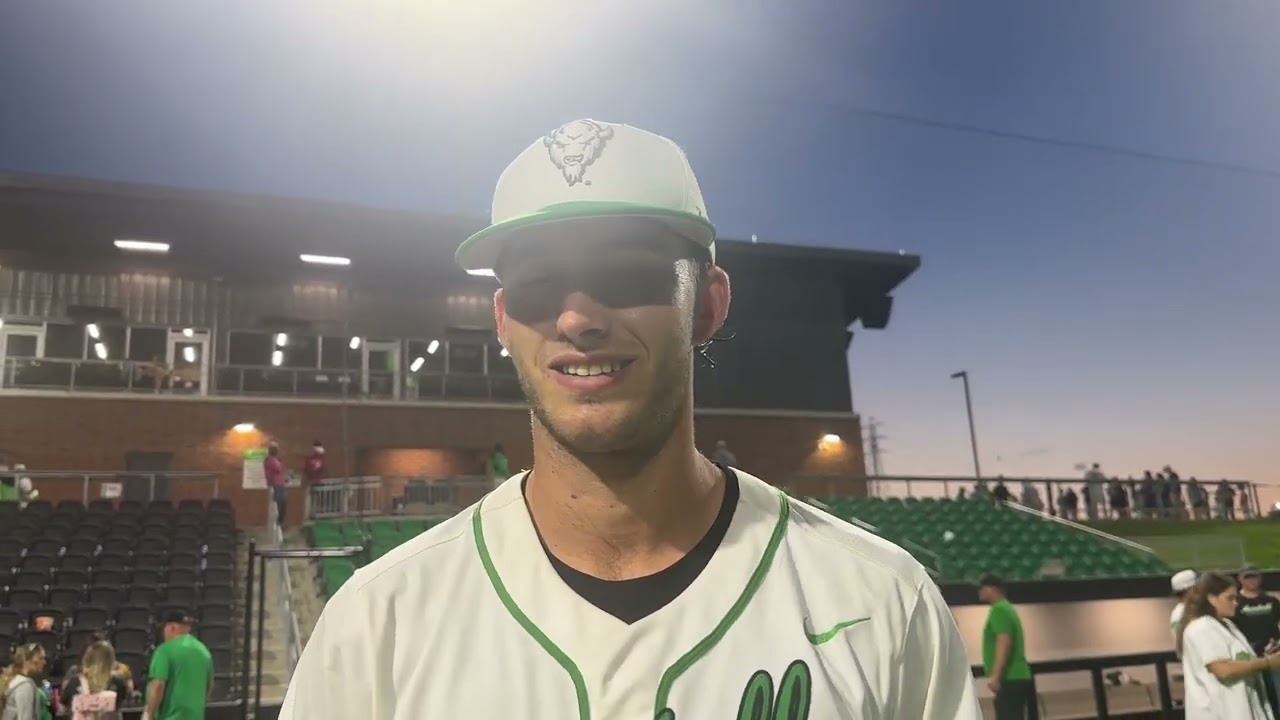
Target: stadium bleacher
x: 983, y: 538
x: 987, y: 538
x: 69, y: 571
x: 380, y: 536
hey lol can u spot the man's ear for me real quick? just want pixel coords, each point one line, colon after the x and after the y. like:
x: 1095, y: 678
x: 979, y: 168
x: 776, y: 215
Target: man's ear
x: 500, y: 316
x: 712, y: 308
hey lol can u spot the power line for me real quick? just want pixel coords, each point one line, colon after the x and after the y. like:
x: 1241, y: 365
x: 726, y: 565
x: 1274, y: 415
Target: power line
x: 853, y: 108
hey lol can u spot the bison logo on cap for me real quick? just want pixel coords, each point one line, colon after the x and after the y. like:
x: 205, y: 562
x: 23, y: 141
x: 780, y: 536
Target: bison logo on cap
x: 574, y: 146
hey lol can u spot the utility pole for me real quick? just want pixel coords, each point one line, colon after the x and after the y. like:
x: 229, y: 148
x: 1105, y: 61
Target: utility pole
x: 973, y: 433
x: 873, y: 440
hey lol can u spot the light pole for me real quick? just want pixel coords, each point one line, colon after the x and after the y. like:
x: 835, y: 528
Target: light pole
x: 973, y: 433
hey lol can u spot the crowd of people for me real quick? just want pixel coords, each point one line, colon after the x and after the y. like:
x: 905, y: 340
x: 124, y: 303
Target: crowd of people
x: 1156, y: 495
x: 179, y: 680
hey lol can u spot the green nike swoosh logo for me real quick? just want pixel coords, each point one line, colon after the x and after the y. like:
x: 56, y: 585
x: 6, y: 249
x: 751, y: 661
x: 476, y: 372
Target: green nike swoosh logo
x: 824, y: 637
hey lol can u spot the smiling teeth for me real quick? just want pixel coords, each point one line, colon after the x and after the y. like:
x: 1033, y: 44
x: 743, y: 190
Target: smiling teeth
x: 590, y: 370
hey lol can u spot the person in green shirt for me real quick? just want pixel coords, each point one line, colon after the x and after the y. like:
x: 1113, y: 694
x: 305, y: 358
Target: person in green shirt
x: 181, y: 674
x: 498, y: 471
x: 1004, y: 654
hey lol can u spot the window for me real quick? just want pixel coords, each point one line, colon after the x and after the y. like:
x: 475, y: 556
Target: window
x: 249, y: 348
x: 336, y: 353
x: 65, y: 341
x: 112, y: 339
x: 431, y: 362
x: 465, y: 357
x: 302, y: 351
x: 148, y: 344
x: 499, y: 363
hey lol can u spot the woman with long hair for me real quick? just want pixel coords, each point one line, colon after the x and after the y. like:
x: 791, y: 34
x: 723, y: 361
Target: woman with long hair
x: 98, y: 691
x: 19, y: 695
x: 1222, y: 677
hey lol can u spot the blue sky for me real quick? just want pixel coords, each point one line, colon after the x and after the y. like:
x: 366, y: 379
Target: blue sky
x: 1108, y: 307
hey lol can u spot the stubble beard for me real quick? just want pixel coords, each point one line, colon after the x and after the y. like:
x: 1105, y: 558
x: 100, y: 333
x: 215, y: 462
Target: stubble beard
x: 642, y: 433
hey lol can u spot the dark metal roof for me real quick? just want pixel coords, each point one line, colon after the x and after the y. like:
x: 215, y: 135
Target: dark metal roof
x: 70, y: 223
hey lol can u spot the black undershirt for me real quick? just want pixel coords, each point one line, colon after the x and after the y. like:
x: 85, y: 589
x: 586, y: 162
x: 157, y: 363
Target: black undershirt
x: 638, y: 598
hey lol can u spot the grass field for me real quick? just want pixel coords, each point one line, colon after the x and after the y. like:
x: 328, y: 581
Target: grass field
x: 1205, y: 544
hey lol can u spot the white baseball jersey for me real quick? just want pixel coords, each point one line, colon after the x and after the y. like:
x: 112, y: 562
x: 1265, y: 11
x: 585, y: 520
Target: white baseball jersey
x: 797, y: 616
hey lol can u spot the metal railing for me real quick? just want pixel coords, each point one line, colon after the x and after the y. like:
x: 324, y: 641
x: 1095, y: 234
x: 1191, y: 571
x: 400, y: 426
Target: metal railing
x: 933, y: 567
x: 1108, y: 537
x: 372, y: 496
x: 88, y: 485
x: 127, y: 376
x: 289, y: 614
x: 1095, y: 666
x: 255, y: 612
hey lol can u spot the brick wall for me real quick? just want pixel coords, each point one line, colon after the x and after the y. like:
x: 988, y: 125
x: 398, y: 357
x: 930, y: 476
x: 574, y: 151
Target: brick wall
x: 61, y: 433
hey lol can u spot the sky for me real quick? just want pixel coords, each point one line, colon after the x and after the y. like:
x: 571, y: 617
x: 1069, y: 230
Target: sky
x: 1115, y: 306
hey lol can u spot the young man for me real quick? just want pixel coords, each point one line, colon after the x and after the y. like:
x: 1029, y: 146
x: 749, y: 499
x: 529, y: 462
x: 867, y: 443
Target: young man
x: 1004, y: 654
x: 1182, y: 584
x: 181, y: 674
x: 626, y: 576
x: 1258, y: 617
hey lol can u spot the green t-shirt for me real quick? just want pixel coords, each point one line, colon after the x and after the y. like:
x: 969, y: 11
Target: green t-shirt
x: 1003, y: 619
x: 186, y: 667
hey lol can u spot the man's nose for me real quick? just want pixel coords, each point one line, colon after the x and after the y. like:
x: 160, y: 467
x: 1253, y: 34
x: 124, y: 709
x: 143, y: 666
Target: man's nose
x: 582, y: 320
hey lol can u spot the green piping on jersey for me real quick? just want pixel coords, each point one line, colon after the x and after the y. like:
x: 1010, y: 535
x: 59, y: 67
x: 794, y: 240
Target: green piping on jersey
x: 579, y: 684
x: 682, y: 665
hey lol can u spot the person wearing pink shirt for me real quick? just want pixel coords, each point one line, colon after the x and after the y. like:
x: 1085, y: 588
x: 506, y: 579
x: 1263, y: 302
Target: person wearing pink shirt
x: 273, y: 469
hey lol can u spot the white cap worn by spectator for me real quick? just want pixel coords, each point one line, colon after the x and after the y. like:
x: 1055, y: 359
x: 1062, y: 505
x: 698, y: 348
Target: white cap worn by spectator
x: 1180, y: 583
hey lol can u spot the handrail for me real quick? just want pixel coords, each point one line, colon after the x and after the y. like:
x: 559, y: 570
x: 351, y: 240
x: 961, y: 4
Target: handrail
x: 293, y: 637
x: 1095, y: 665
x: 1077, y: 526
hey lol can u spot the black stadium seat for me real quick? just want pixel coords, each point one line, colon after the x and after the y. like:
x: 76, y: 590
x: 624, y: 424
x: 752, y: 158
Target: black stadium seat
x: 50, y: 641
x: 131, y: 640
x: 90, y: 616
x: 215, y: 613
x: 79, y: 638
x: 26, y: 600
x: 135, y: 616
x: 11, y: 622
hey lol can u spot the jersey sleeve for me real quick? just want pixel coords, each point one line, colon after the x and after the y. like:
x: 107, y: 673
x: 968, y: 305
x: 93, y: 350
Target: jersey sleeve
x: 339, y: 675
x: 934, y: 679
x: 1201, y: 642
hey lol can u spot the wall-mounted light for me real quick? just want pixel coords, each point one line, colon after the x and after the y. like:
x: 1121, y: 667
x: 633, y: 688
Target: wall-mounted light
x: 503, y: 353
x: 482, y: 272
x: 325, y: 260
x: 100, y: 349
x: 282, y: 339
x: 354, y: 344
x: 432, y: 347
x: 831, y: 439
x: 416, y: 365
x: 142, y: 246
x: 188, y: 332
x: 244, y: 427
x: 93, y: 330
x: 277, y: 358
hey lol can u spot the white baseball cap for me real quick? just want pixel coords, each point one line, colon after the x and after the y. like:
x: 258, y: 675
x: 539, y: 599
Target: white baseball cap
x: 1183, y: 580
x: 587, y: 169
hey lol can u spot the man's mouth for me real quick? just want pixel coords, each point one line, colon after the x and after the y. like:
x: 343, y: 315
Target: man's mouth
x: 593, y: 369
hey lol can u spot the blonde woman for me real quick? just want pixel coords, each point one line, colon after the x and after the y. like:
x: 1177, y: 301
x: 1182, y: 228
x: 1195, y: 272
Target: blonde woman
x: 1222, y: 676
x: 19, y: 695
x: 98, y: 691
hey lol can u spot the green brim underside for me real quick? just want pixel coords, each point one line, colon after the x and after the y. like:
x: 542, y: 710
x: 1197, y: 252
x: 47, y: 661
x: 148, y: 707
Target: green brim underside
x: 480, y: 251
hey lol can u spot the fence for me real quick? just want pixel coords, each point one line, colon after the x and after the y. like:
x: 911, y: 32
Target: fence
x: 393, y: 495
x: 1095, y: 666
x: 89, y: 485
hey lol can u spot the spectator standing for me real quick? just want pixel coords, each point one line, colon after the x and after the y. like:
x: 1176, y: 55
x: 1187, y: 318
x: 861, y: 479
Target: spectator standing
x: 1001, y: 493
x: 1150, y: 499
x: 1068, y: 504
x: 499, y: 470
x: 96, y: 692
x: 277, y: 481
x: 1094, y: 481
x: 181, y: 674
x: 1225, y: 496
x: 1119, y: 499
x: 314, y: 469
x: 1031, y: 497
x: 1182, y: 583
x: 1258, y: 617
x: 1198, y: 499
x: 1176, y: 508
x: 724, y: 455
x: 1004, y: 655
x: 20, y: 697
x: 1221, y: 673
